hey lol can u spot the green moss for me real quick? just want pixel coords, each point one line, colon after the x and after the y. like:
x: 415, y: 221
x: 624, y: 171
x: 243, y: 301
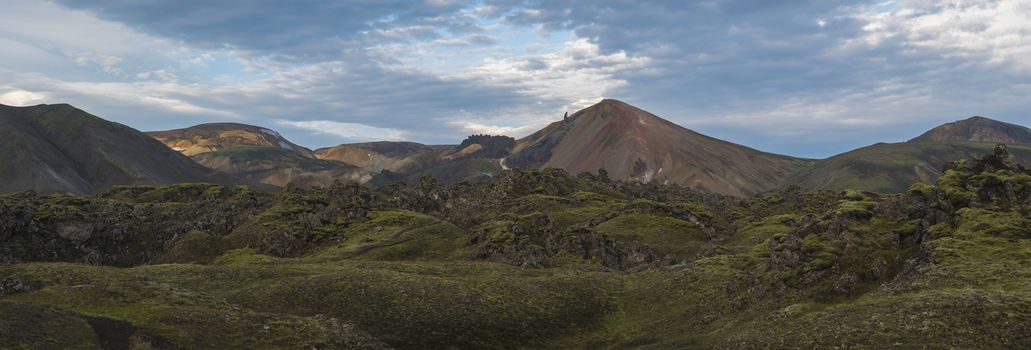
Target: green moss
x: 822, y: 254
x: 396, y: 235
x: 663, y: 234
x: 759, y: 232
x: 861, y: 209
x: 921, y: 189
x: 244, y: 256
x: 953, y: 183
x: 976, y: 221
x: 194, y: 247
x: 34, y: 326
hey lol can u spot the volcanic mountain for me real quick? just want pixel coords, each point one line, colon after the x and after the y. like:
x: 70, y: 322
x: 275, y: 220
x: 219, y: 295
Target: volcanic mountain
x: 632, y: 144
x: 59, y: 148
x: 257, y: 154
x: 893, y: 167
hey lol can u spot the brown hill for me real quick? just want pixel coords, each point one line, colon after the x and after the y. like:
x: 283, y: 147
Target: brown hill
x: 630, y: 143
x: 977, y: 129
x: 212, y: 137
x: 59, y: 148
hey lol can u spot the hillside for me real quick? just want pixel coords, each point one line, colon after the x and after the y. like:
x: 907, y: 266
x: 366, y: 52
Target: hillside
x: 892, y: 167
x: 529, y: 259
x: 632, y: 144
x: 59, y: 148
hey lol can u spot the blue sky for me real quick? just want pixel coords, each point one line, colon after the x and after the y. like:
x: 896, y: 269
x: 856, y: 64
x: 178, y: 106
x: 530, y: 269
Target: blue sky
x: 805, y: 78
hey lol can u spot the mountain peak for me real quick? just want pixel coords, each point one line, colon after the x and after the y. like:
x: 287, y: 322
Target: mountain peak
x: 977, y: 129
x: 633, y: 144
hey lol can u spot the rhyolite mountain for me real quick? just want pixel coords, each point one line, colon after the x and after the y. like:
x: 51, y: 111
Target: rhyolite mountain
x: 213, y: 137
x: 59, y: 148
x: 256, y: 154
x: 893, y: 167
x: 977, y: 129
x: 632, y: 144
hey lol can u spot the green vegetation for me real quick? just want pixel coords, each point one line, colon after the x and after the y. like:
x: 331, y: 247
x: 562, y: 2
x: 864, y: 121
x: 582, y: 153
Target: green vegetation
x: 532, y: 259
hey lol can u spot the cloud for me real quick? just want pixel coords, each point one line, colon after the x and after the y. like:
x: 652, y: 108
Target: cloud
x: 351, y: 132
x: 21, y: 98
x: 578, y: 73
x: 107, y: 63
x: 302, y: 30
x: 466, y: 41
x: 994, y: 32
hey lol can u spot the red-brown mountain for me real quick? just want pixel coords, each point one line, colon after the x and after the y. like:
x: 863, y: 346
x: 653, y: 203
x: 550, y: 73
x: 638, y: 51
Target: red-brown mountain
x: 632, y: 144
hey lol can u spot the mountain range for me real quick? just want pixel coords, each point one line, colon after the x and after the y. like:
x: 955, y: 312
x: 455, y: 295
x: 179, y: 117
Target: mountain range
x: 537, y: 257
x: 624, y: 141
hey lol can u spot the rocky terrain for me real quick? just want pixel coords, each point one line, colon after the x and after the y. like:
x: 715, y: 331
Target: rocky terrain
x: 527, y: 259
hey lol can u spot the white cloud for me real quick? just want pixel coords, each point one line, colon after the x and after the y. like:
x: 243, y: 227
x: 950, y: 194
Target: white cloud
x: 994, y: 31
x: 578, y: 74
x: 107, y: 63
x: 480, y: 127
x: 21, y: 98
x: 347, y: 131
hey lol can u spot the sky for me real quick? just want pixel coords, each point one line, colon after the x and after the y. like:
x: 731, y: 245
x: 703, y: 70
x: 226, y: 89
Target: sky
x: 803, y: 78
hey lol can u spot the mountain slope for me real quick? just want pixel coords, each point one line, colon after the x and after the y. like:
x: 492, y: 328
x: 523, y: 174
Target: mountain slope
x: 630, y: 143
x: 893, y: 167
x: 212, y: 137
x: 59, y: 148
x: 977, y: 129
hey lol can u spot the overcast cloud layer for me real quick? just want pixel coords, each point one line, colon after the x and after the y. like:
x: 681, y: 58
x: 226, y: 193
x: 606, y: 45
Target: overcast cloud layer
x: 805, y: 78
